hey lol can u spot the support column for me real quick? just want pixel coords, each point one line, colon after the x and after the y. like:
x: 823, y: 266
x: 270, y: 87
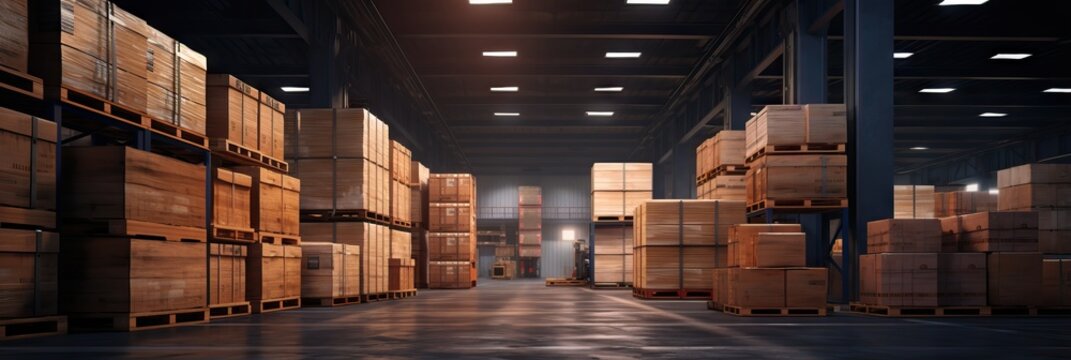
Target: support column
x: 326, y: 80
x: 868, y: 49
x: 684, y: 170
x: 806, y: 55
x: 739, y: 110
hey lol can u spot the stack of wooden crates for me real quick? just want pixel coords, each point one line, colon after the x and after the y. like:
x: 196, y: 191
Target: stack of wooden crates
x: 953, y: 203
x: 767, y: 273
x: 418, y: 183
x: 617, y: 189
x: 720, y: 169
x: 452, y: 231
x: 530, y: 222
x: 796, y: 158
x: 401, y: 266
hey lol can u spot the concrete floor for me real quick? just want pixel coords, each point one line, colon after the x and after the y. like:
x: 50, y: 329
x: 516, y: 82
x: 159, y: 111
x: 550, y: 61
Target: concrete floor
x: 523, y: 319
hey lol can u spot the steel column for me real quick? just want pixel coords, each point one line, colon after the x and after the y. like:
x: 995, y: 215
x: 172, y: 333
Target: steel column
x: 327, y: 89
x: 806, y: 55
x: 868, y: 48
x: 739, y: 111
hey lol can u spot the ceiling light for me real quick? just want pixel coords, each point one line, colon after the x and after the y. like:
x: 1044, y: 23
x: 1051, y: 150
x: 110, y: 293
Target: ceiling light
x: 647, y: 2
x: 500, y: 53
x: 506, y: 89
x: 937, y: 90
x: 623, y: 55
x: 902, y: 55
x: 507, y: 114
x: 1059, y: 90
x: 295, y: 89
x: 994, y: 191
x: 962, y: 2
x: 754, y: 113
x: 1018, y: 56
x: 610, y: 89
x: 972, y: 188
x: 600, y: 113
x: 920, y: 148
x: 489, y: 2
x: 992, y: 115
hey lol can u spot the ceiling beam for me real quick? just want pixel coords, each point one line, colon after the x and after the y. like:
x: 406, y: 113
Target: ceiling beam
x: 542, y: 71
x: 466, y: 131
x: 489, y: 99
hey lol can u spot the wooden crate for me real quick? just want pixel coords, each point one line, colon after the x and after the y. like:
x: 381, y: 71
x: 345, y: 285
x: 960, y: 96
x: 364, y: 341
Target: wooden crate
x: 121, y: 275
x: 793, y: 125
x: 233, y: 110
x: 420, y: 256
x: 232, y: 199
x: 961, y: 279
x: 797, y: 181
x: 613, y: 268
x: 452, y: 246
x: 15, y: 35
x: 529, y: 196
x: 274, y: 273
x: 754, y: 288
x: 1034, y: 196
x: 227, y: 273
x: 743, y: 237
x: 451, y: 275
x: 769, y: 250
x: 1014, y: 279
x: 271, y: 131
x: 276, y: 200
x: 613, y: 239
x: 343, y: 184
x: 401, y: 275
x: 177, y: 78
x: 401, y: 162
x: 330, y: 271
x: 913, y: 201
x: 899, y: 279
x: 1009, y: 231
x: 622, y: 177
x: 401, y: 244
x: 452, y: 188
x: 452, y: 217
x: 686, y: 222
x: 616, y: 205
x: 904, y: 236
x: 505, y: 251
x: 530, y: 237
x: 419, y: 195
x: 1034, y: 174
x: 27, y: 161
x: 400, y: 212
x: 724, y: 187
x: 375, y: 246
x: 963, y: 202
x: 1056, y: 282
x: 1054, y: 227
x: 660, y: 267
x: 122, y: 183
x: 530, y: 251
x: 344, y: 133
x: 727, y: 151
x: 28, y: 273
x: 530, y: 217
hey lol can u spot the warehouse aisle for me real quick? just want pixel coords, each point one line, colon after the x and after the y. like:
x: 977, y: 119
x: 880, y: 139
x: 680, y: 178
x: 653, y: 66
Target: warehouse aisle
x: 523, y: 319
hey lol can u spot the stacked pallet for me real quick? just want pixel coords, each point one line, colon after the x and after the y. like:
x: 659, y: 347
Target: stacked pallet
x: 913, y: 201
x: 796, y: 158
x: 15, y: 36
x: 273, y: 280
x: 245, y: 123
x: 1044, y: 189
x: 401, y: 172
x: 617, y: 188
x: 136, y: 254
x: 530, y: 221
x: 330, y: 274
x: 419, y: 208
x: 679, y: 243
x: 720, y: 170
x: 401, y: 277
x: 963, y: 202
x: 29, y: 244
x: 374, y: 242
x: 613, y: 250
x: 452, y: 231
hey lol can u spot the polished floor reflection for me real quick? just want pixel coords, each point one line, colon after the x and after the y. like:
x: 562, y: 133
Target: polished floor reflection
x: 524, y: 319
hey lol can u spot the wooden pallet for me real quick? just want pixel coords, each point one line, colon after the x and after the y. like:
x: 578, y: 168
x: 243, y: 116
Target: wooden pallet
x: 672, y: 294
x: 178, y: 133
x: 356, y: 215
x: 32, y: 327
x: 402, y: 224
x: 611, y: 285
x: 278, y: 239
x: 613, y: 218
x: 402, y: 294
x: 565, y: 282
x: 138, y: 321
x: 238, y: 153
x: 139, y: 229
x: 366, y: 298
x: 103, y: 107
x: 329, y: 302
x: 22, y: 218
x: 223, y: 311
x: 798, y: 149
x: 267, y: 306
x: 235, y: 235
x: 799, y: 204
x: 21, y: 83
x: 761, y: 311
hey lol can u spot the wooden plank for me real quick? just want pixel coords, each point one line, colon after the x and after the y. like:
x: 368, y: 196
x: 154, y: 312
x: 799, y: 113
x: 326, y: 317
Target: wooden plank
x: 904, y: 236
x: 899, y: 279
x: 14, y: 329
x: 29, y: 280
x: 232, y: 199
x: 913, y: 201
x: 227, y: 276
x: 330, y: 271
x: 274, y: 275
x: 276, y: 201
x: 223, y: 311
x: 28, y: 161
x: 808, y: 179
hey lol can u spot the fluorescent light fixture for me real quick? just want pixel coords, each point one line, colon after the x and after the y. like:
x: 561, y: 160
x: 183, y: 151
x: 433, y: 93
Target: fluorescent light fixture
x: 568, y: 235
x: 902, y: 55
x: 937, y: 90
x: 972, y: 188
x: 489, y: 2
x: 610, y: 89
x: 994, y: 191
x: 1058, y: 91
x: 992, y: 115
x: 754, y: 113
x: 295, y: 89
x: 647, y: 2
x: 500, y: 53
x: 506, y: 89
x: 623, y: 55
x: 512, y: 114
x: 1018, y: 56
x: 920, y: 148
x: 962, y: 2
x: 601, y: 113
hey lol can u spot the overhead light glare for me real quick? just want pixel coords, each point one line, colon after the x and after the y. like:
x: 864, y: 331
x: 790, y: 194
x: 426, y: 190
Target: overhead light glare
x: 647, y: 2
x: 972, y: 187
x: 754, y: 113
x: 500, y: 53
x: 962, y: 2
x: 920, y: 148
x: 994, y: 191
x: 1019, y: 56
x: 489, y: 2
x: 601, y: 113
x: 511, y: 114
x: 610, y: 89
x: 992, y: 115
x: 902, y: 55
x: 294, y: 89
x: 506, y: 89
x: 1059, y: 91
x: 623, y: 55
x: 937, y: 90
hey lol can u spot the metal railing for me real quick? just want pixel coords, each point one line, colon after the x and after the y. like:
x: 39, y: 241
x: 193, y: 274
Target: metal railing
x: 549, y: 213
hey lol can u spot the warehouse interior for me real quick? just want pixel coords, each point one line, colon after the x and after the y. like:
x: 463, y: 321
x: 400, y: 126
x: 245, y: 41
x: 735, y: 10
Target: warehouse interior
x: 523, y: 96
